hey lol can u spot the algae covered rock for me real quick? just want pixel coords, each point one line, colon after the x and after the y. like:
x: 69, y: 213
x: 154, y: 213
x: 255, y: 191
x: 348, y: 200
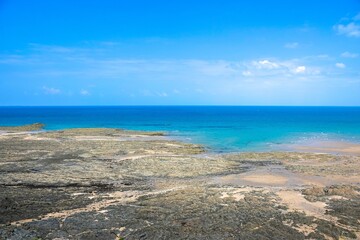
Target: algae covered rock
x: 23, y: 128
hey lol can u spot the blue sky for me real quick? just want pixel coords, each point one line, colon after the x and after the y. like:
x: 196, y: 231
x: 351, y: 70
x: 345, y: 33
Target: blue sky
x: 180, y: 52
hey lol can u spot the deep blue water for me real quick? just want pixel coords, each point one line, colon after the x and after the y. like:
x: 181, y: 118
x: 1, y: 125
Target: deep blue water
x: 218, y: 127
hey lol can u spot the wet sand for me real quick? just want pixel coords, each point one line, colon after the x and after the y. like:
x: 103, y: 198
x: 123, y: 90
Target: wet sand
x: 112, y: 184
x: 333, y: 147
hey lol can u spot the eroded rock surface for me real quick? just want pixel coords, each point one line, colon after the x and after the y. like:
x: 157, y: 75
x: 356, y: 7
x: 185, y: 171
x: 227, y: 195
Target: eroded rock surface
x: 29, y: 127
x: 112, y: 184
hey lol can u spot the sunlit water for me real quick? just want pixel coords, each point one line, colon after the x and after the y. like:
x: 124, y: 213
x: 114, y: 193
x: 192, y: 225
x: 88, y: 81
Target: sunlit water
x: 219, y: 128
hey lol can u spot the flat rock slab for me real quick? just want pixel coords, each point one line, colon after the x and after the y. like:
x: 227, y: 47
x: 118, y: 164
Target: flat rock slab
x: 112, y: 184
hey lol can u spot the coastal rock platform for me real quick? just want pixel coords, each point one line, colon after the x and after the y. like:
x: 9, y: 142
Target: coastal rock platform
x: 102, y: 183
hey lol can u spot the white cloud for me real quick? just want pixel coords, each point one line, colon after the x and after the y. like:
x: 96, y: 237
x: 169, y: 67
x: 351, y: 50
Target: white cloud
x: 291, y: 45
x: 246, y: 73
x: 300, y: 69
x: 340, y: 65
x: 265, y: 64
x: 51, y: 91
x: 53, y: 48
x: 198, y: 73
x: 350, y: 29
x: 309, y: 67
x: 84, y: 92
x: 162, y: 94
x: 86, y: 63
x: 349, y: 55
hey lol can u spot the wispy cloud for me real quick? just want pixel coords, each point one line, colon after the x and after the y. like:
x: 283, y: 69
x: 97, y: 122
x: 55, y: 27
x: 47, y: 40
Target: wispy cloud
x: 151, y: 93
x: 300, y: 69
x: 51, y: 90
x: 292, y: 45
x: 174, y: 76
x: 265, y: 64
x: 340, y: 65
x: 246, y: 73
x: 283, y: 68
x: 162, y: 94
x: 349, y: 55
x: 77, y: 64
x: 350, y: 28
x: 84, y: 92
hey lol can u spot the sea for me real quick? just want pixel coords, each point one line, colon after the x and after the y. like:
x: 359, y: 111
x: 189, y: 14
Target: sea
x: 218, y: 128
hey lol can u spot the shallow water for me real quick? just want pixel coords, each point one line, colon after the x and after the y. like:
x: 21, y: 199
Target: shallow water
x: 220, y: 128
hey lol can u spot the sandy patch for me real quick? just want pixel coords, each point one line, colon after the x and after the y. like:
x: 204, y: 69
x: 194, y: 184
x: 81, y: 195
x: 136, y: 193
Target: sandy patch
x: 94, y: 138
x: 38, y: 138
x: 5, y: 133
x: 327, y: 147
x: 266, y: 179
x: 296, y: 202
x: 280, y: 177
x: 133, y: 157
x: 260, y: 177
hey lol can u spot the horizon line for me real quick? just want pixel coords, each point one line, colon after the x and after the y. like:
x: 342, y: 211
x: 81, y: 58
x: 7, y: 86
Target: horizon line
x: 180, y: 105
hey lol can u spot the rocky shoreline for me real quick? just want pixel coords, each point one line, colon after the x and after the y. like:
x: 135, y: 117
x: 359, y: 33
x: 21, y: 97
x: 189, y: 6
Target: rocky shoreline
x: 114, y: 184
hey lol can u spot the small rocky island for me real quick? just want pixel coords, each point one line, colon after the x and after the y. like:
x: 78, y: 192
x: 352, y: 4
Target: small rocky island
x: 105, y: 183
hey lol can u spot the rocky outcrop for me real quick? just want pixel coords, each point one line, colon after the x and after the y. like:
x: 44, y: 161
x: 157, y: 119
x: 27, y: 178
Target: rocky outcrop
x: 22, y: 128
x: 112, y: 184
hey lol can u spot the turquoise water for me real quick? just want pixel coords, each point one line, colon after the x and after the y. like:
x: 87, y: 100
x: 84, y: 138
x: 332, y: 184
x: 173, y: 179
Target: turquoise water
x: 219, y: 128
